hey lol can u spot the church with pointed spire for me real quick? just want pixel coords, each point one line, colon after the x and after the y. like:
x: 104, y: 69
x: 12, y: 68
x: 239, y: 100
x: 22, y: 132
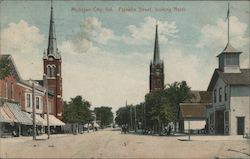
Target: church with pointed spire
x: 52, y: 68
x: 156, y: 77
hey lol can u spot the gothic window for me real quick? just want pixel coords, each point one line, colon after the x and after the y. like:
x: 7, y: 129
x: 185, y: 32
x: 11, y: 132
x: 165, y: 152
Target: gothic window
x: 51, y: 70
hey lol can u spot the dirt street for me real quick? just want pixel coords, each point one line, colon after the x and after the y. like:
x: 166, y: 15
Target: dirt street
x: 113, y: 144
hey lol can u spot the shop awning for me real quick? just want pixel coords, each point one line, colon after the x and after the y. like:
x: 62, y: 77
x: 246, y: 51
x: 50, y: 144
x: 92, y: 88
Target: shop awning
x: 40, y: 120
x: 53, y: 121
x: 4, y: 118
x: 20, y: 115
x: 9, y: 113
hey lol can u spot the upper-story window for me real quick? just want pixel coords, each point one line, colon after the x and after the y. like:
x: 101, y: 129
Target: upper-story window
x: 215, y: 96
x: 12, y: 91
x: 220, y: 94
x: 51, y: 70
x: 225, y: 93
x: 6, y: 89
x: 158, y: 83
x: 28, y: 100
x: 37, y: 102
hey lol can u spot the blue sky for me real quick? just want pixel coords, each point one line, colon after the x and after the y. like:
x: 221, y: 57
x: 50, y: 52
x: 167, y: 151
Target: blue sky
x: 108, y: 53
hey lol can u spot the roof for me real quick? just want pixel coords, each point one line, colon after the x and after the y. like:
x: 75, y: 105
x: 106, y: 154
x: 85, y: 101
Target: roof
x: 16, y: 74
x: 242, y: 78
x: 229, y: 49
x: 193, y: 110
x: 14, y: 71
x: 19, y: 115
x: 200, y: 97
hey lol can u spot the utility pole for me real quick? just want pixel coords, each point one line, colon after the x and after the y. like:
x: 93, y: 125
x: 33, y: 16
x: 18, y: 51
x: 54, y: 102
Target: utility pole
x: 47, y: 103
x: 135, y: 120
x: 188, y: 130
x: 33, y: 111
x: 144, y: 114
x: 131, y: 118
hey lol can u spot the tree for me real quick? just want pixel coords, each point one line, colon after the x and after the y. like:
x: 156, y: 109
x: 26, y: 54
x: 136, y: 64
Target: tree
x: 104, y: 115
x: 5, y: 68
x: 162, y: 106
x: 77, y: 111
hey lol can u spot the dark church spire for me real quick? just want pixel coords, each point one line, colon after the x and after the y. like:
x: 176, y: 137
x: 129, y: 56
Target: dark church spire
x: 52, y: 45
x: 156, y: 48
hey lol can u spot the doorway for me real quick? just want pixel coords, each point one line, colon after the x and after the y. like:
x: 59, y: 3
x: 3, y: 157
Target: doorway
x: 240, y: 125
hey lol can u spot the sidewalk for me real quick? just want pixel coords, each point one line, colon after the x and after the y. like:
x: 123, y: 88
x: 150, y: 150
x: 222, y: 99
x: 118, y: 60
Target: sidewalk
x: 212, y: 138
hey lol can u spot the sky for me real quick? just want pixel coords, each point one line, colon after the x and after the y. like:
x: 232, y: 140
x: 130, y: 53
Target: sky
x: 106, y: 47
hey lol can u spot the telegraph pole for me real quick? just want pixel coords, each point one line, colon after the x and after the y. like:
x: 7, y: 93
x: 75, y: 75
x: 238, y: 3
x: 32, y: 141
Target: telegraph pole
x: 47, y: 103
x: 135, y: 120
x: 34, y: 111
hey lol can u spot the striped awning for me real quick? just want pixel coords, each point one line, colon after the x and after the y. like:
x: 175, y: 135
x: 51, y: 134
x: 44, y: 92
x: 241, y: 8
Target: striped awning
x: 53, y: 121
x: 8, y: 112
x: 4, y: 118
x: 20, y: 115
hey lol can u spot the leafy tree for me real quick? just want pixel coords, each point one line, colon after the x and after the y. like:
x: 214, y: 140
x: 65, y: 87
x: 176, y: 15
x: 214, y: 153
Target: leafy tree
x: 105, y: 115
x: 162, y: 106
x: 77, y: 111
x: 5, y: 69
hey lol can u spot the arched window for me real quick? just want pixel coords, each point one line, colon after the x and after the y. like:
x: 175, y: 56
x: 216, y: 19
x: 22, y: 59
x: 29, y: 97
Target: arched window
x: 48, y: 70
x: 53, y: 68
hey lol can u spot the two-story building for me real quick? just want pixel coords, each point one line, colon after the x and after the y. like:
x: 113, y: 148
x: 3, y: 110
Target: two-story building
x: 230, y: 85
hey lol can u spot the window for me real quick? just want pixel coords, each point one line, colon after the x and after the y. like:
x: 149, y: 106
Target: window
x: 12, y: 91
x: 28, y: 100
x: 51, y: 70
x: 6, y: 89
x: 220, y: 94
x: 232, y: 59
x: 158, y: 83
x: 37, y: 102
x: 20, y: 98
x: 215, y: 100
x: 225, y: 93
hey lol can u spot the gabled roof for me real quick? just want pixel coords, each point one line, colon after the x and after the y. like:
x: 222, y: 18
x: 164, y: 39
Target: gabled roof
x: 14, y: 71
x: 242, y: 78
x: 193, y: 110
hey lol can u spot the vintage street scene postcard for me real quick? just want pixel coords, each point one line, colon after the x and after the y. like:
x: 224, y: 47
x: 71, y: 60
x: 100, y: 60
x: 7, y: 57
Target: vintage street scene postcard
x: 124, y: 79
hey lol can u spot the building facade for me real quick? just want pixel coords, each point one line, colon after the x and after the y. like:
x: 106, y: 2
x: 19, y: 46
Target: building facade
x: 156, y: 76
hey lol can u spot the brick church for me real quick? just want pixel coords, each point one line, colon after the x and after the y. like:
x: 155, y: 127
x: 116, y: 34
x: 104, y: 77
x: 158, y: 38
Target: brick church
x: 52, y: 67
x: 156, y: 77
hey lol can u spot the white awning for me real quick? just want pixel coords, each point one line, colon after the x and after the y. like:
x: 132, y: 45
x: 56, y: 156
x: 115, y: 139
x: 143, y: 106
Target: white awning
x: 40, y: 120
x: 53, y: 121
x: 195, y: 124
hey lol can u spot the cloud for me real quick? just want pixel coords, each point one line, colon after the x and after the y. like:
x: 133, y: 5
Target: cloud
x: 216, y: 35
x: 145, y: 32
x: 91, y: 32
x: 25, y: 43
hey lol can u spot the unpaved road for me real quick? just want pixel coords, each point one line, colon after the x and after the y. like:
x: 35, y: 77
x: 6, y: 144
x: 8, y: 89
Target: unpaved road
x: 113, y: 144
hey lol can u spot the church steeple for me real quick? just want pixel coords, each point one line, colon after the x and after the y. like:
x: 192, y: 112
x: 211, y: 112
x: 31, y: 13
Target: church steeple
x: 156, y: 76
x: 52, y: 44
x: 156, y: 48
